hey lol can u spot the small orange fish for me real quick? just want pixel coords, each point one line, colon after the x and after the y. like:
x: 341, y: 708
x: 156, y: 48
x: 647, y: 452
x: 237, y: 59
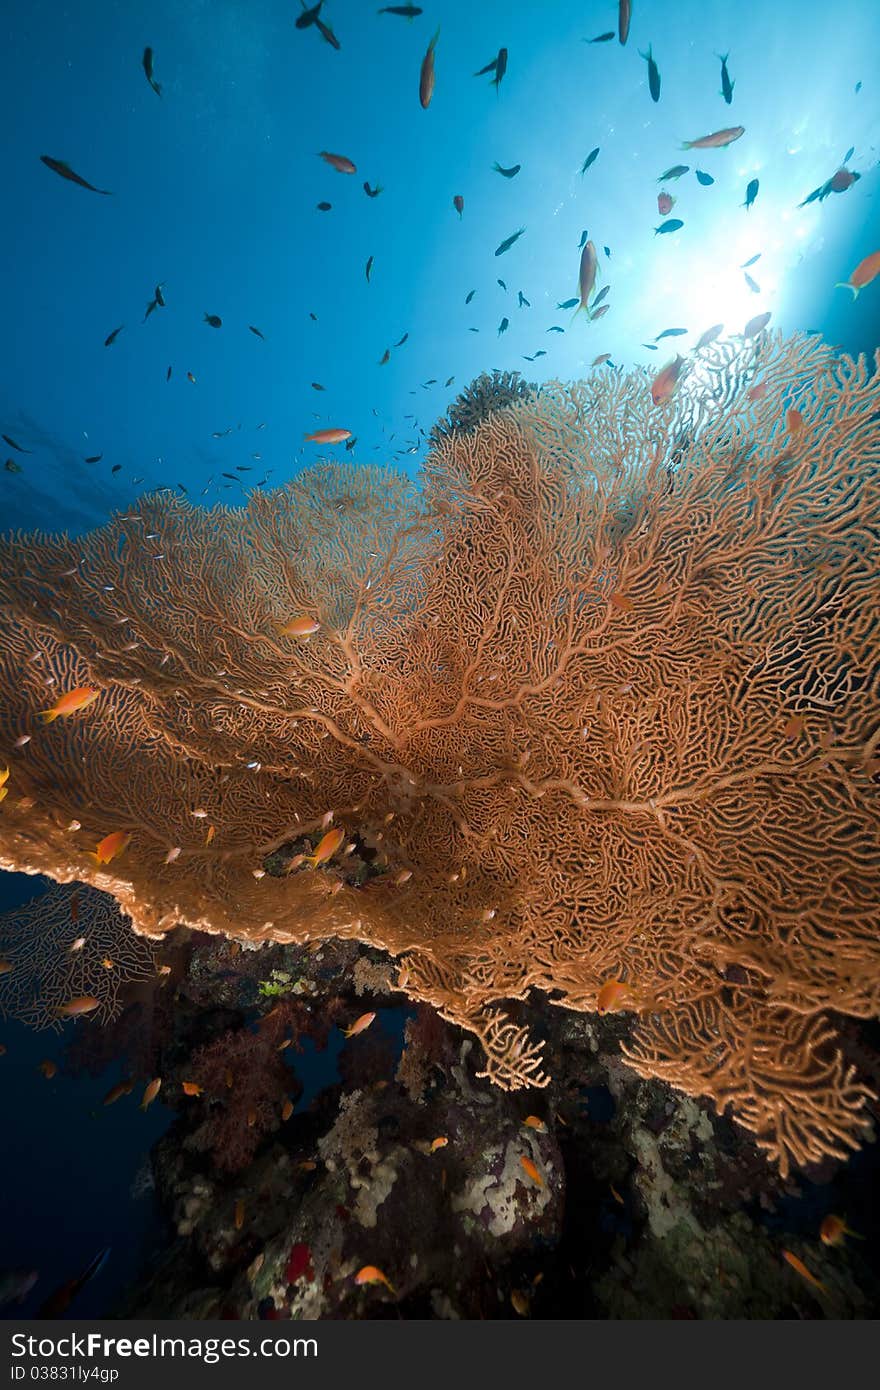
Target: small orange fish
x: 48, y: 1068
x: 664, y: 382
x: 209, y: 835
x: 151, y: 1092
x: 370, y: 1274
x: 439, y: 1143
x: 287, y: 1110
x: 239, y: 1214
x: 327, y: 847
x: 863, y: 274
x: 71, y: 702
x: 534, y: 1123
x: 340, y: 162
x: 112, y: 845
x: 191, y: 1088
x: 616, y: 1195
x: 251, y: 1118
x: 328, y: 436
x: 83, y: 1004
x: 519, y: 1302
x: 610, y: 994
x: 190, y: 377
x: 801, y: 1269
x: 308, y: 1165
x: 302, y: 627
x: 834, y: 1229
x: 107, y: 963
x: 172, y: 854
x: 78, y: 944
x: 122, y: 1088
x: 4, y: 778
x: 359, y: 1025
x: 530, y: 1169
x: 426, y: 76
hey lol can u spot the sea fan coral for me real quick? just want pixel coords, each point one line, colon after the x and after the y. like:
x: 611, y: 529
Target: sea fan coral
x: 603, y: 706
x: 486, y: 393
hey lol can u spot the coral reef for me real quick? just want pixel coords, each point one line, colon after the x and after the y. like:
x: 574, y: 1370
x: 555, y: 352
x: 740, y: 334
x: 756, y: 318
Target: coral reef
x: 489, y: 392
x: 592, y: 715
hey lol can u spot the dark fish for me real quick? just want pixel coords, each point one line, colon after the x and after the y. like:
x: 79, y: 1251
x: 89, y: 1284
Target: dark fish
x: 672, y: 224
x: 402, y: 341
x: 490, y: 67
x: 256, y: 331
x: 670, y: 333
x: 704, y: 179
x: 94, y: 458
x: 368, y: 267
x: 652, y: 347
x: 508, y: 242
x: 316, y: 386
x: 407, y: 12
x: 751, y: 193
x: 327, y: 33
x: 168, y: 375
x: 756, y: 289
x: 590, y: 159
x: 523, y: 302
x: 59, y: 167
x: 503, y: 326
x: 214, y: 320
x: 849, y: 154
x: 568, y: 303
x: 349, y: 443
x: 857, y: 88
x: 624, y: 15
x: 157, y: 302
x: 726, y: 85
x: 583, y: 241
x: 555, y: 329
x: 458, y: 204
x: 500, y: 68
x: 469, y: 296
x: 324, y: 207
x: 160, y: 298
x: 607, y: 250
x: 308, y: 16
x: 601, y: 38
x: 386, y: 357
x: 653, y: 74
x: 57, y: 1303
x: 147, y: 62
x: 514, y: 170
x: 111, y: 337
x: 12, y: 444
x: 12, y: 467
x: 751, y: 261
x: 372, y: 192
x: 116, y: 467
x: 821, y: 192
x: 449, y: 380
x: 674, y: 173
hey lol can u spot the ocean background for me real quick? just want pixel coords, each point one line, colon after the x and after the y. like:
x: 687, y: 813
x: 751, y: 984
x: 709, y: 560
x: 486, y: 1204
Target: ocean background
x: 215, y: 186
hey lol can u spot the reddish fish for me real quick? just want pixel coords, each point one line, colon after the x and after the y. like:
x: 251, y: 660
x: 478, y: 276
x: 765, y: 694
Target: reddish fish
x: 111, y: 846
x: 624, y: 15
x: 327, y: 847
x: 83, y: 1004
x: 370, y: 1274
x: 717, y: 140
x: 664, y: 382
x: 665, y: 203
x: 71, y: 702
x: 360, y: 1025
x: 302, y: 628
x: 328, y: 436
x: 863, y: 274
x: 340, y: 162
x: 426, y: 76
x: 458, y: 204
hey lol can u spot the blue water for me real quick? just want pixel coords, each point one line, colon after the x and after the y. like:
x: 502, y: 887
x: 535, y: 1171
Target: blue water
x: 214, y: 193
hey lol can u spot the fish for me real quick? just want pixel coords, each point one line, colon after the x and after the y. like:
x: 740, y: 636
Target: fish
x: 751, y: 193
x: 568, y: 303
x: 603, y: 357
x: 718, y: 140
x: 439, y: 1143
x: 71, y: 702
x: 664, y: 382
x: 754, y: 326
x: 670, y: 333
x: 502, y: 284
x: 214, y: 320
x: 323, y: 207
x: 611, y: 993
x: 866, y: 271
x: 402, y: 341
x: 672, y: 224
x: 800, y: 1268
x: 834, y: 1229
x: 57, y: 1304
x: 12, y: 467
x: 406, y: 11
x: 370, y: 1274
x: 286, y: 1109
x: 709, y: 336
x: 74, y: 1008
x: 469, y: 296
x: 533, y: 1122
x: 168, y: 374
x: 586, y: 277
x: 583, y: 241
x: 367, y: 269
x: 653, y: 74
x: 503, y: 326
x: 519, y: 1301
x: 372, y: 192
x: 590, y: 159
x: 726, y: 85
x: 531, y: 1170
x: 361, y: 1024
x: 303, y: 627
x: 12, y: 444
x: 327, y: 847
x: 752, y: 284
x: 599, y: 297
x: 507, y: 173
x: 111, y: 337
x: 111, y: 846
x: 821, y: 193
x: 340, y: 162
x: 64, y: 170
x: 703, y: 178
x: 386, y: 357
x: 624, y: 15
x: 147, y: 64
x: 326, y: 32
x: 93, y: 458
x: 152, y: 1090
x: 157, y: 302
x: 331, y: 436
x: 842, y: 180
x: 665, y: 203
x: 751, y: 261
x: 522, y: 302
x: 122, y: 1088
x: 508, y: 242
x: 6, y: 966
x: 498, y: 66
x: 601, y: 38
x: 458, y: 204
x: 675, y: 172
x: 48, y: 1068
x: 426, y: 74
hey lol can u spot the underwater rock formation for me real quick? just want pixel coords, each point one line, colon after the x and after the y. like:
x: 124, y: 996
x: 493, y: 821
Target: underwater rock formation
x: 594, y: 715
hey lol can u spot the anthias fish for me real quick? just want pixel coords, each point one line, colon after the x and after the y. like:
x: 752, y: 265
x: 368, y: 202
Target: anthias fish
x: 717, y: 140
x: 426, y: 75
x: 147, y: 63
